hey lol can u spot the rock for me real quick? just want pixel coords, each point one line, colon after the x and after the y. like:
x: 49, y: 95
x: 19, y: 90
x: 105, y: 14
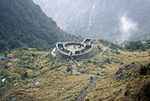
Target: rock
x: 122, y: 72
x: 121, y: 76
x: 16, y: 84
x: 127, y: 67
x: 31, y: 89
x: 36, y: 83
x: 4, y: 79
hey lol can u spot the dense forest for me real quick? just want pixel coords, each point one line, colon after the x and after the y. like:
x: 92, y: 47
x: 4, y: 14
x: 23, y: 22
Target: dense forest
x: 23, y: 24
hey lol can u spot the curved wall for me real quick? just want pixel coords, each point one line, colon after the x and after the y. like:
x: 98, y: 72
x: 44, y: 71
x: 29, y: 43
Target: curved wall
x: 64, y: 53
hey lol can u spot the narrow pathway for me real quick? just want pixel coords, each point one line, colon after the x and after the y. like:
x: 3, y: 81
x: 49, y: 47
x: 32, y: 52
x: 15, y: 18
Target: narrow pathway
x: 91, y: 85
x: 73, y: 67
x: 74, y: 70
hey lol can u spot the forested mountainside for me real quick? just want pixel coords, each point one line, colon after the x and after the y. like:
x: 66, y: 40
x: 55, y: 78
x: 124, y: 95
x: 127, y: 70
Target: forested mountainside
x: 23, y: 24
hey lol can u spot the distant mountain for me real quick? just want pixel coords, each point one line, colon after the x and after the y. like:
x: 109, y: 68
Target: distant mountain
x: 114, y: 20
x: 23, y: 24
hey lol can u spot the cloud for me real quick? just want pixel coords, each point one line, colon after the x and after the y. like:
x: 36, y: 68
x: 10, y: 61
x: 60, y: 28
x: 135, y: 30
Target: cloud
x: 127, y: 25
x: 127, y: 28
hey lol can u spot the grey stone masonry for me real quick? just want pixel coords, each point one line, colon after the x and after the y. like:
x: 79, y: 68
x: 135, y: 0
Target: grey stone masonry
x: 81, y: 50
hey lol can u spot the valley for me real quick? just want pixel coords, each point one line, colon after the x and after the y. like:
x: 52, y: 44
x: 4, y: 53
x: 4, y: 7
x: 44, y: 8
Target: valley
x: 39, y: 61
x: 35, y: 75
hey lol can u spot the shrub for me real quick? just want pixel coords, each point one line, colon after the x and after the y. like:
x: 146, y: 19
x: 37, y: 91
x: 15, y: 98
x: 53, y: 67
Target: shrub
x: 4, y: 74
x: 68, y: 69
x: 89, y: 61
x: 55, y: 64
x: 107, y: 61
x: 91, y: 78
x: 135, y: 45
x: 147, y: 44
x: 98, y: 74
x: 144, y: 70
x: 24, y: 76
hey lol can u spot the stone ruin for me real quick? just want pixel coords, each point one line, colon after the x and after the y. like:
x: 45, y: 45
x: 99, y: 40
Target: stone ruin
x: 76, y: 50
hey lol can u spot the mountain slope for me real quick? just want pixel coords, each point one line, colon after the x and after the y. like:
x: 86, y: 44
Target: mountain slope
x: 117, y: 20
x: 22, y: 23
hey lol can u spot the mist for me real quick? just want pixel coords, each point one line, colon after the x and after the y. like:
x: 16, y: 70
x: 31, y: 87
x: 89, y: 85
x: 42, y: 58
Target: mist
x: 127, y: 28
x: 117, y: 21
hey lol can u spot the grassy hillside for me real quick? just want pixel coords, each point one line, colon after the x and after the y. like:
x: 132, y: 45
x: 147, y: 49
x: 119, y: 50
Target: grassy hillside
x: 34, y: 75
x: 125, y: 78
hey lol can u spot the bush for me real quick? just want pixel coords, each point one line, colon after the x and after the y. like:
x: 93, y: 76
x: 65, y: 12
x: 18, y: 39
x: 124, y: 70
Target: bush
x: 68, y: 69
x: 147, y: 44
x: 135, y: 45
x: 24, y: 76
x: 107, y: 61
x: 145, y: 70
x: 55, y: 65
x: 89, y: 61
x: 91, y: 78
x: 98, y: 74
x: 4, y: 74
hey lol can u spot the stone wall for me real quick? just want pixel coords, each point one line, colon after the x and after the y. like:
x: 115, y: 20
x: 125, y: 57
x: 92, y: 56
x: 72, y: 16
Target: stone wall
x: 84, y: 53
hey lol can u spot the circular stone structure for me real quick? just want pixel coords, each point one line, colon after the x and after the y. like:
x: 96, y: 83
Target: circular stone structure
x: 74, y: 49
x: 74, y: 46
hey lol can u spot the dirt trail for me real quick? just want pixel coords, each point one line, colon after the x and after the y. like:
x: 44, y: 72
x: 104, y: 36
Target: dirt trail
x: 73, y: 67
x: 91, y: 84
